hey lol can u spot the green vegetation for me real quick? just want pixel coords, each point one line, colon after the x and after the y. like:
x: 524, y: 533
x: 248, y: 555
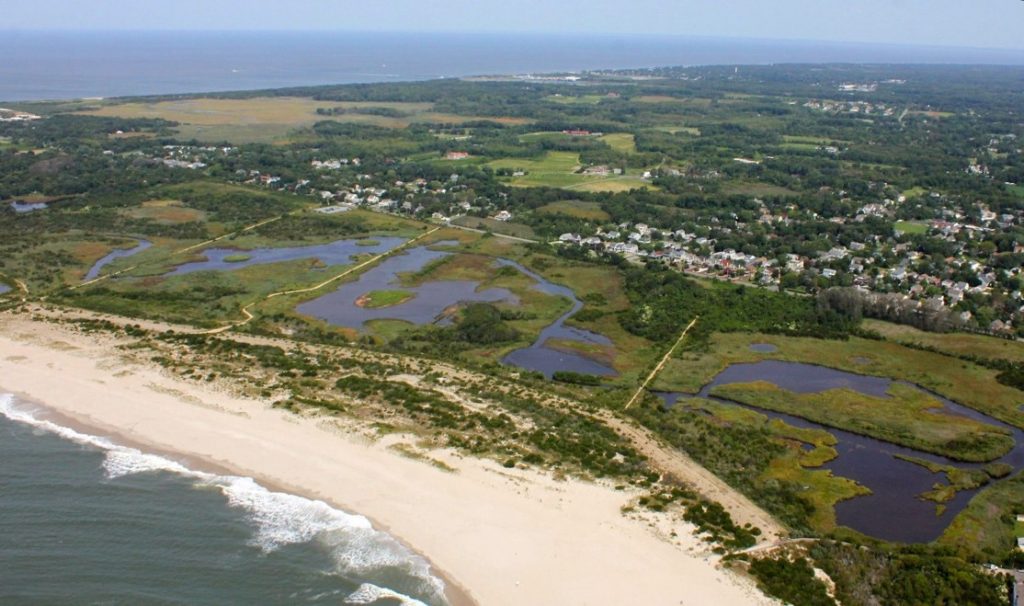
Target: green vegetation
x: 957, y: 344
x: 791, y: 581
x: 711, y: 518
x: 987, y: 525
x: 482, y: 323
x: 765, y: 176
x: 620, y: 142
x: 577, y: 378
x: 909, y: 417
x: 589, y: 211
x: 763, y: 459
x: 961, y: 381
x: 959, y: 479
x: 237, y: 258
x: 910, y: 227
x: 905, y: 575
x: 376, y: 299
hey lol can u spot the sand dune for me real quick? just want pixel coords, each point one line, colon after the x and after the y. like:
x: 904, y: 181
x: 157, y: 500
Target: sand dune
x: 497, y: 536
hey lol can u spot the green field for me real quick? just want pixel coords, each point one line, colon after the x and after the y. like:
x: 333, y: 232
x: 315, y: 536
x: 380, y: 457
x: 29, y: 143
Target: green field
x: 508, y: 228
x: 911, y: 227
x: 914, y: 192
x: 576, y: 100
x: 589, y: 211
x: 620, y: 142
x: 273, y: 119
x: 802, y: 139
x: 559, y: 169
x: 750, y: 188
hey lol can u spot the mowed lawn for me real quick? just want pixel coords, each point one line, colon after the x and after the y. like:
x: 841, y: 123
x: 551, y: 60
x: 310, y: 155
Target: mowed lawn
x: 558, y: 169
x: 621, y: 142
x: 911, y: 227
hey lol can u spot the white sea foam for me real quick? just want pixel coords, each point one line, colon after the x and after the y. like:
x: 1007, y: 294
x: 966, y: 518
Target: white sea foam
x: 279, y: 518
x: 370, y: 594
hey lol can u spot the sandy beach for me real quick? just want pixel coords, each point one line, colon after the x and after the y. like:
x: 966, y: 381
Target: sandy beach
x: 497, y: 536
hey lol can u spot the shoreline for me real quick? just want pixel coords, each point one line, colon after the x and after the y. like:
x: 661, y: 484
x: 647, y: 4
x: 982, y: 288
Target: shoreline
x: 552, y: 541
x: 455, y: 593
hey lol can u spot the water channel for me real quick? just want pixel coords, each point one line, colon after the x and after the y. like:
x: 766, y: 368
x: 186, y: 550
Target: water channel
x: 114, y: 255
x: 894, y: 510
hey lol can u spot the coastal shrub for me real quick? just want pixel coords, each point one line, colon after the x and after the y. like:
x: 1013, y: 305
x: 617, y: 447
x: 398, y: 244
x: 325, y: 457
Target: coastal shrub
x: 736, y: 453
x: 791, y: 581
x: 914, y: 574
x: 577, y: 378
x: 481, y: 323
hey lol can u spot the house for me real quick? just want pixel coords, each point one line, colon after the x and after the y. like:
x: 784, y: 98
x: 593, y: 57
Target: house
x: 333, y: 210
x: 456, y: 155
x: 503, y: 215
x: 569, y: 238
x: 625, y: 249
x: 795, y: 264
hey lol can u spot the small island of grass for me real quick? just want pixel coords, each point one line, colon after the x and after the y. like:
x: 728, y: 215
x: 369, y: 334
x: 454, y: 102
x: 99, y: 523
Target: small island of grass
x: 376, y: 299
x: 367, y: 242
x: 237, y: 258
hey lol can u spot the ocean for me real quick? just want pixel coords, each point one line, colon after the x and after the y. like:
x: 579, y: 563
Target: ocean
x: 65, y: 65
x: 86, y: 521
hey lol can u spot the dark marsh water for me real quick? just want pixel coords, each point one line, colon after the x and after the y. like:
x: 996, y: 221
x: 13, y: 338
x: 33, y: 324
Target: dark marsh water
x: 893, y: 511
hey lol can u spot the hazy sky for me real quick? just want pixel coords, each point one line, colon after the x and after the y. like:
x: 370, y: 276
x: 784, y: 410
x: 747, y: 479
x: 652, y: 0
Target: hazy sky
x: 980, y: 23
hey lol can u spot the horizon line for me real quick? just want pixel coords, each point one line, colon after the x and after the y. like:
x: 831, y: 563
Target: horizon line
x: 538, y: 33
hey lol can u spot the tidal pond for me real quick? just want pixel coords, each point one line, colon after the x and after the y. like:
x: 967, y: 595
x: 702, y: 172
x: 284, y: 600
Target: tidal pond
x: 427, y: 304
x: 120, y: 253
x: 340, y: 252
x: 542, y: 358
x: 894, y: 510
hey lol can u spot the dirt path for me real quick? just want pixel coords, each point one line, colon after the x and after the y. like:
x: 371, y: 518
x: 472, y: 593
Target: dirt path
x: 664, y: 458
x: 664, y: 360
x: 676, y: 464
x: 179, y: 251
x: 249, y: 316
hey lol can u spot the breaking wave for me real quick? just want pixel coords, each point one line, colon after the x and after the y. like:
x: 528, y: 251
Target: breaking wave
x: 358, y: 550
